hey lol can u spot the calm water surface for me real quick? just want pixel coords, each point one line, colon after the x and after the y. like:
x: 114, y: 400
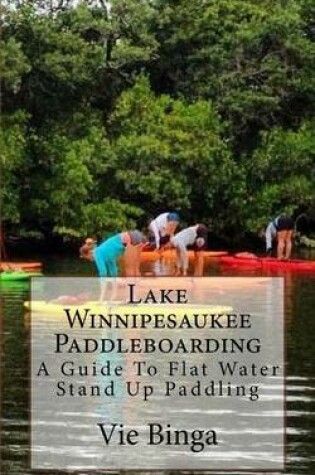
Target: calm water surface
x: 300, y: 339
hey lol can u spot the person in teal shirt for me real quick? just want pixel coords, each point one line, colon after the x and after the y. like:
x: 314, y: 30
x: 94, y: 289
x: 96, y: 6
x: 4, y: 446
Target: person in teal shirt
x: 106, y: 254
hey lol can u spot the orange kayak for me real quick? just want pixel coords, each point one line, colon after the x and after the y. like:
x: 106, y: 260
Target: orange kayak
x: 26, y: 266
x: 171, y: 254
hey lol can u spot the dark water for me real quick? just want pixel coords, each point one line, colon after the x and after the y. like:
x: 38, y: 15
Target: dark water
x: 300, y: 345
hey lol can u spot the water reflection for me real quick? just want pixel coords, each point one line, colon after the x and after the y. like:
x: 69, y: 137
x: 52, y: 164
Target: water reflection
x: 300, y: 331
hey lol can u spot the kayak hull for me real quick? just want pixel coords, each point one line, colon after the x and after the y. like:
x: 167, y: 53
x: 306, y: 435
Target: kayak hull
x: 268, y: 263
x: 171, y: 254
x: 27, y: 266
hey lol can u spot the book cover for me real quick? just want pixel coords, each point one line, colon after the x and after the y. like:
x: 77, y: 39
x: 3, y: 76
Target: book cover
x: 157, y: 234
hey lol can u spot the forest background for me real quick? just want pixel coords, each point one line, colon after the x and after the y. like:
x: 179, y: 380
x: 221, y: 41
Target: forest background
x: 112, y: 112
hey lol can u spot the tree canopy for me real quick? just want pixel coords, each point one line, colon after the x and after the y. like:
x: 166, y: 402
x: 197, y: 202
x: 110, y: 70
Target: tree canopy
x: 112, y: 112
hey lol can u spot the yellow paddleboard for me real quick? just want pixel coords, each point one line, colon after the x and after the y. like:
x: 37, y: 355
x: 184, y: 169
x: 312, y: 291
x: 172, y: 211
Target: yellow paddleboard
x: 57, y: 309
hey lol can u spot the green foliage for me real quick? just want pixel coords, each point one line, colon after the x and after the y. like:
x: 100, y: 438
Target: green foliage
x: 281, y: 174
x: 13, y: 64
x: 252, y: 58
x: 170, y: 152
x: 12, y: 143
x: 115, y: 111
x: 109, y: 217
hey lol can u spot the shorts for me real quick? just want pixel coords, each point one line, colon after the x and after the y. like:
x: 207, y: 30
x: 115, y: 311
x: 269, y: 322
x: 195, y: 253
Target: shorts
x: 202, y: 232
x: 196, y: 248
x: 163, y: 240
x: 285, y: 223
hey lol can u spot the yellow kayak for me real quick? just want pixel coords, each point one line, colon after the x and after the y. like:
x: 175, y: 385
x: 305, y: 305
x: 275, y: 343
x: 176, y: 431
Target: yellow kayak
x: 40, y: 306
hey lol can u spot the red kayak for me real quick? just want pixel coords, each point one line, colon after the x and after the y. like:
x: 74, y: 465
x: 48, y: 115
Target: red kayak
x: 26, y: 266
x: 252, y: 261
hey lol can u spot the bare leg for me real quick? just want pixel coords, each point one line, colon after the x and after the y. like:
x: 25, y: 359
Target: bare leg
x: 138, y: 261
x: 112, y: 295
x: 199, y: 263
x: 288, y: 244
x: 185, y: 261
x: 281, y: 244
x: 103, y: 289
x: 178, y: 262
x: 132, y: 259
x: 128, y: 261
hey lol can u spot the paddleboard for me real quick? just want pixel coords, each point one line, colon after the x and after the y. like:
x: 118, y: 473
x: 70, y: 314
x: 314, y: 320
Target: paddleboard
x: 43, y: 307
x: 18, y: 275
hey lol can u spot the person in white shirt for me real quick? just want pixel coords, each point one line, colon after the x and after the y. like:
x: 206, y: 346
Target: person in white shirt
x: 194, y: 236
x: 162, y: 228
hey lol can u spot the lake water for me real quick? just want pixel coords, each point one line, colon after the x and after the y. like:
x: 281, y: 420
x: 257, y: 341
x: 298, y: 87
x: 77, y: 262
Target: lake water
x: 300, y: 347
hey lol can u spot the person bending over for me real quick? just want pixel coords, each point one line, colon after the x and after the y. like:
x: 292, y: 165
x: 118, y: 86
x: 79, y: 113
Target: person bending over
x: 162, y: 228
x: 106, y: 254
x: 280, y: 229
x: 195, y: 236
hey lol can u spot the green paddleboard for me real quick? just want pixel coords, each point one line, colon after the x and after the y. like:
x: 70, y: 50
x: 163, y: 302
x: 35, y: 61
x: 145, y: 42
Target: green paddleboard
x: 18, y: 275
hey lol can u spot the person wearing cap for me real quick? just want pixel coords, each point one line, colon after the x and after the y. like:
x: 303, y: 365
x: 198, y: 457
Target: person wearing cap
x: 162, y: 228
x: 281, y: 229
x: 194, y: 236
x: 106, y: 254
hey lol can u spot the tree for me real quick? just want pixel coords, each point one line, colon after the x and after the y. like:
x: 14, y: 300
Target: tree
x: 114, y: 111
x: 12, y: 143
x: 281, y: 175
x: 77, y: 55
x: 252, y: 59
x: 63, y: 66
x: 171, y: 154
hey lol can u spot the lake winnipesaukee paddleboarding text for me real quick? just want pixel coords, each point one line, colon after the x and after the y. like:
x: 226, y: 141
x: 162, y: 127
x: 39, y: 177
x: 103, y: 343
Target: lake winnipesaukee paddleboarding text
x: 139, y: 350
